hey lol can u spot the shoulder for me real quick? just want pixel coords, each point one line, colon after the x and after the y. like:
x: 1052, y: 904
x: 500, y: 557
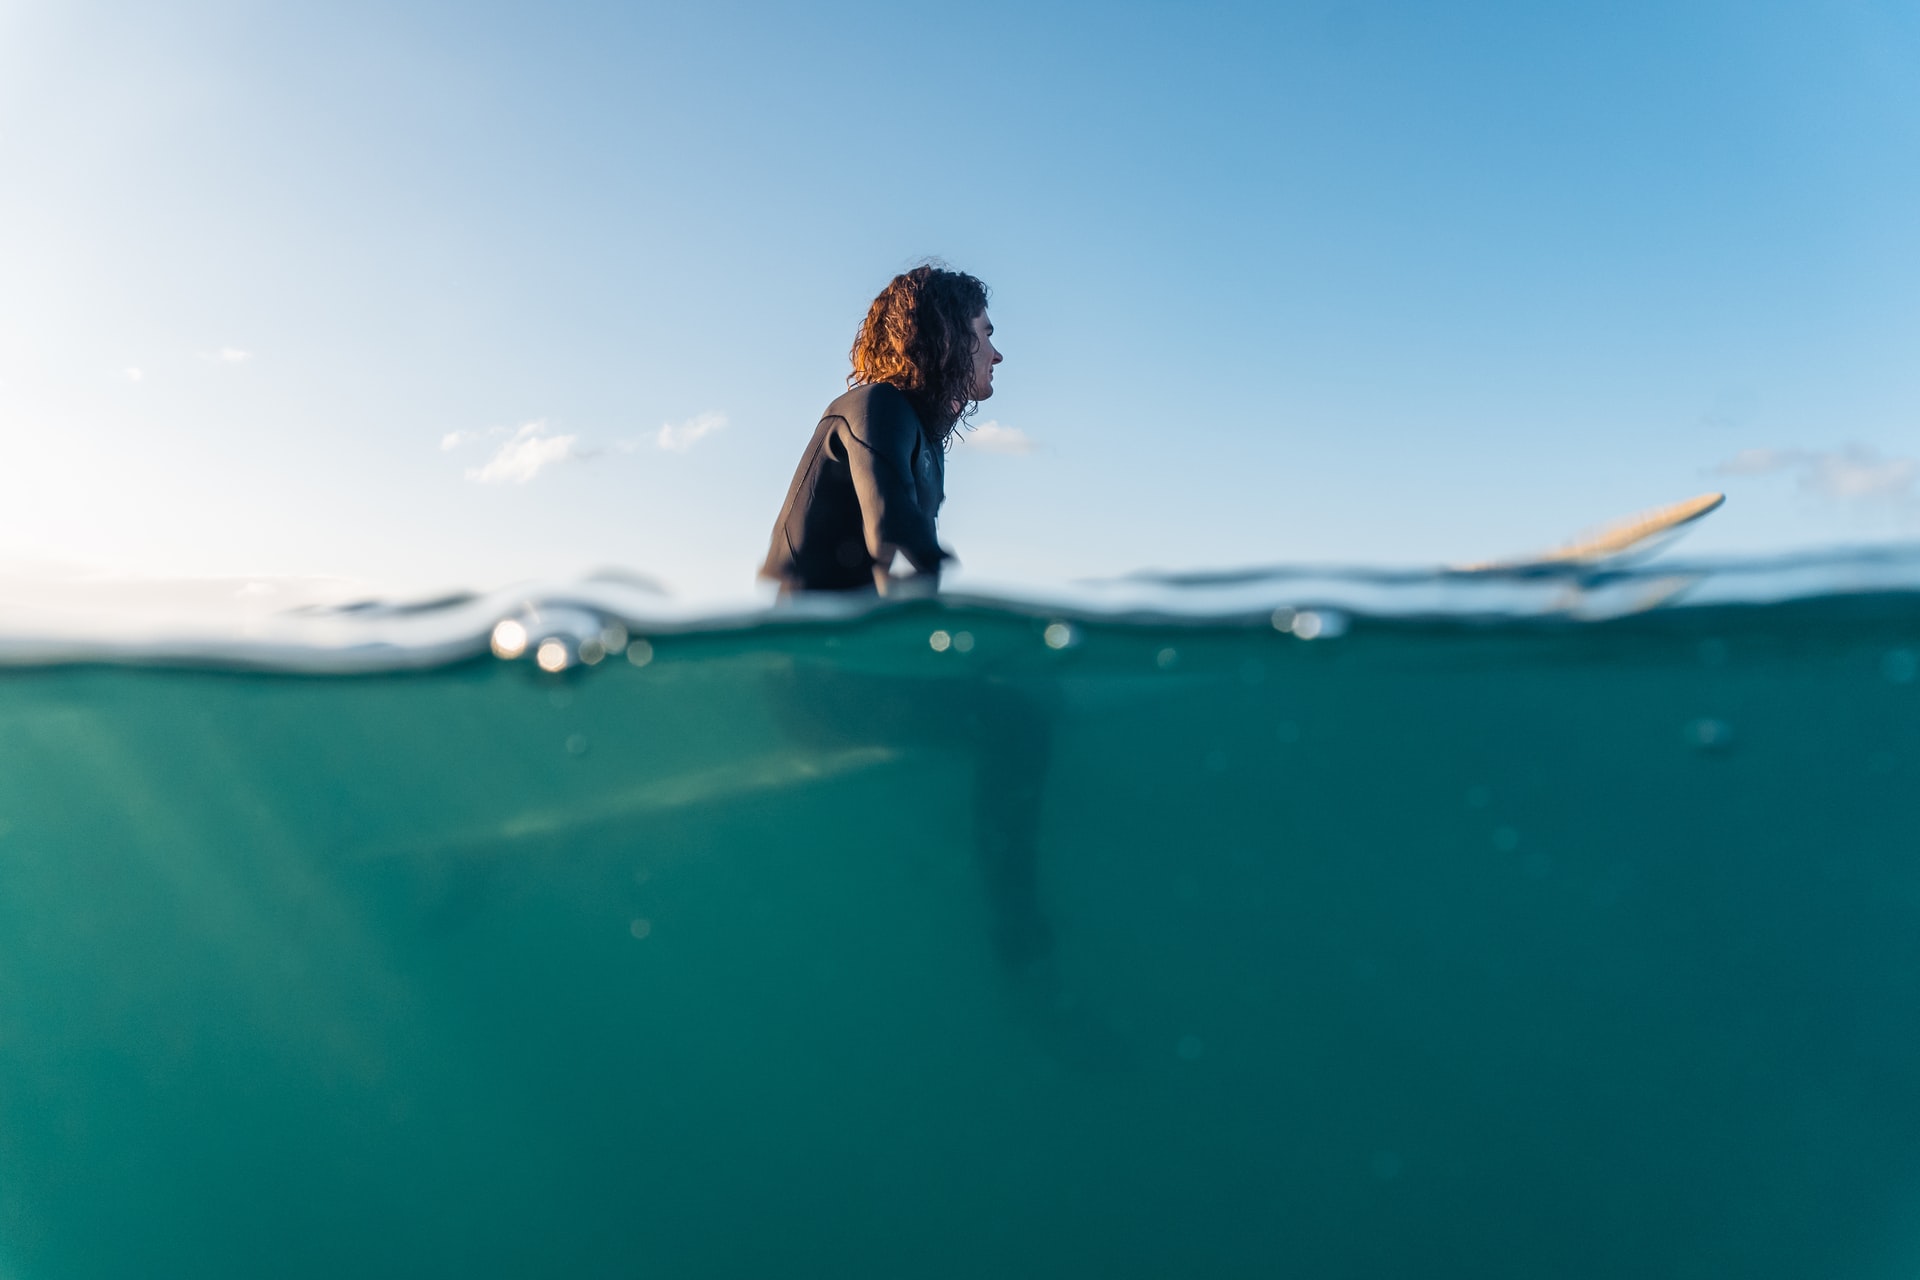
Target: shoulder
x: 876, y: 409
x: 870, y: 398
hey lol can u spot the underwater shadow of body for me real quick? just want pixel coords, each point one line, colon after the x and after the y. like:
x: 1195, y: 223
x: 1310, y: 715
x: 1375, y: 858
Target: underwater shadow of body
x: 1006, y: 735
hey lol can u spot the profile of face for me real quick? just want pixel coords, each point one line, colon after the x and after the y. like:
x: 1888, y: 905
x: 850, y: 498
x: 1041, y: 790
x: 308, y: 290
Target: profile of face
x: 984, y: 357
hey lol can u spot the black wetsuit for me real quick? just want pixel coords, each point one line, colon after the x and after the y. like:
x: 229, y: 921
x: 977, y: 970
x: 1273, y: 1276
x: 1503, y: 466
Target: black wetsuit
x: 870, y: 484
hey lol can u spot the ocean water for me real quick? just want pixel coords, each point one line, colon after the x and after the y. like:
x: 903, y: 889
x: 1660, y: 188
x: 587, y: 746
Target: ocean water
x: 1297, y: 925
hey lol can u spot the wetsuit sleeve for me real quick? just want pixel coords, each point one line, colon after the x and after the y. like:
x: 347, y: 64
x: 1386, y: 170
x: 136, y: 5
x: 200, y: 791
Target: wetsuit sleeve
x: 880, y: 456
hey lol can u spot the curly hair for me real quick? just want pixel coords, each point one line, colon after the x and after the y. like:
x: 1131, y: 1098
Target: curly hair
x: 918, y: 336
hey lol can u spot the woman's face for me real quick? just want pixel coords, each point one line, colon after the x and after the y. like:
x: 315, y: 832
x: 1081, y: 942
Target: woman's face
x: 984, y: 357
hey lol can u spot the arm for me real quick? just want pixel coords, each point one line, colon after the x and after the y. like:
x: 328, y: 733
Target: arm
x: 880, y: 457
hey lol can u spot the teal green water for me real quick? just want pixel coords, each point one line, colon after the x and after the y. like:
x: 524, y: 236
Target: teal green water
x: 1429, y: 950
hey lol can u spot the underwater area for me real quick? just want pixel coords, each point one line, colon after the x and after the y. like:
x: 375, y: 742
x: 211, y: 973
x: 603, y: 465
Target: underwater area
x: 1308, y: 928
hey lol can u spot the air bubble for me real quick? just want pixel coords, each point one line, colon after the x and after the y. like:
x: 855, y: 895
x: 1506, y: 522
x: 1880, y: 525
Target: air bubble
x: 940, y: 641
x: 1166, y: 658
x: 509, y: 639
x: 576, y: 744
x: 1058, y: 635
x: 1709, y: 735
x: 640, y: 927
x: 552, y: 655
x: 1310, y: 624
x: 1900, y: 666
x: 591, y: 651
x: 963, y: 642
x: 613, y: 637
x: 640, y: 653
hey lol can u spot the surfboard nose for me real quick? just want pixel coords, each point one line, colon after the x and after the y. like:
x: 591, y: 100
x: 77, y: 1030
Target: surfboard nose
x: 1611, y: 539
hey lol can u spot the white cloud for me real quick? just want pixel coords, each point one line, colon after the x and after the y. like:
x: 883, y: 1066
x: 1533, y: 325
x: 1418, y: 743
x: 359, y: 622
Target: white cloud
x: 132, y: 374
x: 678, y: 437
x: 529, y: 451
x: 455, y: 439
x: 1755, y: 462
x: 994, y: 438
x: 1855, y: 474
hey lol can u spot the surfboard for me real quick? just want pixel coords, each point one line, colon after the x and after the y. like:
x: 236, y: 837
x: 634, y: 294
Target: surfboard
x: 1633, y: 533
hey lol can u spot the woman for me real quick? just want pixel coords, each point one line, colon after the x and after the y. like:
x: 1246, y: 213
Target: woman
x: 868, y: 491
x: 869, y: 486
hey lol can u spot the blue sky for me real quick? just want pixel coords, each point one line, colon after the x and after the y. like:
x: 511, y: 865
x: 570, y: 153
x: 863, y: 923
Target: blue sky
x: 457, y: 294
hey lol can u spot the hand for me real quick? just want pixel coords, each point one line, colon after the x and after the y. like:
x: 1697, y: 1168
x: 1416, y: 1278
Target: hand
x: 906, y: 586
